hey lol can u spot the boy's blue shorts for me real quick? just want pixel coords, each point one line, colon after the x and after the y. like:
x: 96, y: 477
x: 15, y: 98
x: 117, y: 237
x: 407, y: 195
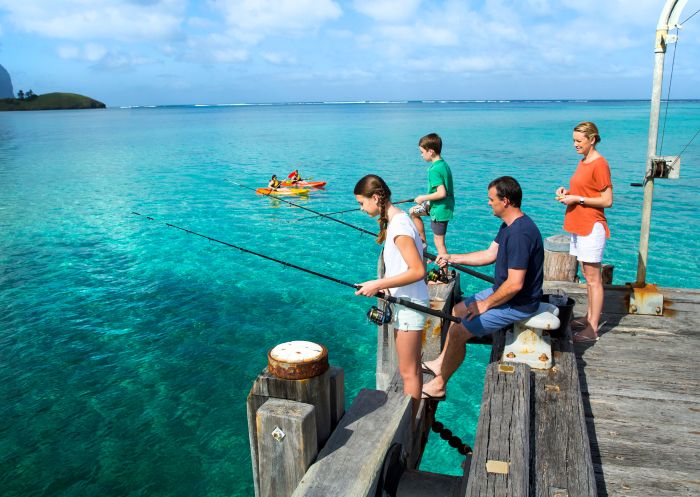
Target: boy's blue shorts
x: 494, y: 319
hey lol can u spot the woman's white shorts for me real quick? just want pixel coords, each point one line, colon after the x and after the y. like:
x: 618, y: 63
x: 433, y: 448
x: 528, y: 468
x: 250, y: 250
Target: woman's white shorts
x: 409, y: 319
x: 589, y: 248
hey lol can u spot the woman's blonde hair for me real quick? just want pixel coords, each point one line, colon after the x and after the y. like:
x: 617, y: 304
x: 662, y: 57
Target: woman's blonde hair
x: 374, y: 185
x: 590, y: 130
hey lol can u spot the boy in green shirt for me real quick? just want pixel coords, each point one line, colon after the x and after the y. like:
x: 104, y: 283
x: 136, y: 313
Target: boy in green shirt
x: 439, y: 203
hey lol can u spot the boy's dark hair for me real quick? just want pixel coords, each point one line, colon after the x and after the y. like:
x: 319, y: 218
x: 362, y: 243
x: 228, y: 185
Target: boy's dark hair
x: 508, y: 187
x: 431, y: 142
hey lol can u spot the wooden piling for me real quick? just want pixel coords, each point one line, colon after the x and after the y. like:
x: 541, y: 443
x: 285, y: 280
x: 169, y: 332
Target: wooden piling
x: 558, y: 264
x: 326, y: 404
x: 286, y: 445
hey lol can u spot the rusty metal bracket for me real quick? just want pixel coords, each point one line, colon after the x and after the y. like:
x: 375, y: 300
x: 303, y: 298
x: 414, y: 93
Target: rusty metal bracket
x: 646, y: 300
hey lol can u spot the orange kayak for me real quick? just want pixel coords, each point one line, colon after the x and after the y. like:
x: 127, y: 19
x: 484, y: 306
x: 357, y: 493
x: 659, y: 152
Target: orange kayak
x: 305, y: 184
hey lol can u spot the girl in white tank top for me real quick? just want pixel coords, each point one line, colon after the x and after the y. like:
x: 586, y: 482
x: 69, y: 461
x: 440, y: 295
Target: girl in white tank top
x: 404, y: 277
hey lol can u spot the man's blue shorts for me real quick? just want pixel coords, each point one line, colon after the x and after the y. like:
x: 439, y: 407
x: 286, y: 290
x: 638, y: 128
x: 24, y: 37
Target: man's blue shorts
x: 495, y: 318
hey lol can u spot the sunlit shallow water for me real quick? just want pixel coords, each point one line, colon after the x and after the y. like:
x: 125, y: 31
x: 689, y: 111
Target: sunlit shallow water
x: 128, y: 348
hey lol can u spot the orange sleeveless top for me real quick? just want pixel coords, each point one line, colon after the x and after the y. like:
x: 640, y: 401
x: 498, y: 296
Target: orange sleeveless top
x: 588, y: 181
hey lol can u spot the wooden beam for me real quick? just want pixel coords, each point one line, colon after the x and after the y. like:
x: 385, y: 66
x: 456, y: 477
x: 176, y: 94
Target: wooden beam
x: 500, y: 465
x: 286, y: 445
x: 351, y: 462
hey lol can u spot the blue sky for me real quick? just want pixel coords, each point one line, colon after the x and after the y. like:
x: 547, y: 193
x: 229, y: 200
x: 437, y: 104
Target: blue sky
x: 152, y: 52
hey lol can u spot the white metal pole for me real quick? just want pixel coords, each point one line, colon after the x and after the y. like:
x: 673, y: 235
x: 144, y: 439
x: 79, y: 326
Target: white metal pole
x: 660, y: 52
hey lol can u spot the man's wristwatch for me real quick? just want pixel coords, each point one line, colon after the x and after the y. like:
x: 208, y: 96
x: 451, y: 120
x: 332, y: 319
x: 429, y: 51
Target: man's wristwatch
x: 580, y: 200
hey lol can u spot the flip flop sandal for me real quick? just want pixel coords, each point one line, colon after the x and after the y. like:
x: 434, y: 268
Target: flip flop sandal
x: 425, y: 369
x: 435, y: 398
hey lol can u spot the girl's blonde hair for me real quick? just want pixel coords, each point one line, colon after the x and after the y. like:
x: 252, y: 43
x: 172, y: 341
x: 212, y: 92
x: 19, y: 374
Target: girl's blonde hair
x: 374, y: 185
x: 590, y: 130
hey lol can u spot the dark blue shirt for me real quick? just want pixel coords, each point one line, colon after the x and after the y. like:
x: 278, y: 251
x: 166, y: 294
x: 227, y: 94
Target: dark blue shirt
x: 520, y: 247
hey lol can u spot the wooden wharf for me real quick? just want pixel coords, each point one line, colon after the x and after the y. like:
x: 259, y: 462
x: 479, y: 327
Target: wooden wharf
x: 618, y: 418
x: 641, y: 395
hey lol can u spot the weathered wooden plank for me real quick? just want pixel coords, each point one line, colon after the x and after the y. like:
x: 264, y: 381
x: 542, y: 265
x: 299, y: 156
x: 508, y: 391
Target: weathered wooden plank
x: 561, y: 455
x: 351, y: 461
x: 500, y: 465
x: 286, y: 445
x: 621, y: 417
x: 499, y: 343
x: 336, y: 378
x: 660, y: 480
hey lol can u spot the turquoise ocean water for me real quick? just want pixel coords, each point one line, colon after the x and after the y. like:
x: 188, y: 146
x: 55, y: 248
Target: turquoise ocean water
x: 128, y: 348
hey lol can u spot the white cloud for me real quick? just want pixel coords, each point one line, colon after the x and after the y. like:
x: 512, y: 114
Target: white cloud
x: 278, y: 58
x: 68, y: 51
x: 214, y: 48
x: 253, y: 20
x: 392, y: 11
x: 97, y: 19
x: 474, y: 64
x: 419, y: 35
x: 619, y: 12
x: 229, y: 55
x: 102, y: 58
x: 94, y: 52
x: 332, y: 76
x: 118, y: 61
x: 91, y: 52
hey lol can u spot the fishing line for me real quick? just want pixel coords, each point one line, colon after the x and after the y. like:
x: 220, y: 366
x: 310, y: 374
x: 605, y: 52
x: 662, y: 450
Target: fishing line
x: 689, y: 18
x: 380, y: 295
x: 305, y: 208
x: 348, y: 210
x: 430, y: 256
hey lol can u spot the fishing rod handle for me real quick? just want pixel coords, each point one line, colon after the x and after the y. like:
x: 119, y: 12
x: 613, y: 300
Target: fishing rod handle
x: 464, y: 269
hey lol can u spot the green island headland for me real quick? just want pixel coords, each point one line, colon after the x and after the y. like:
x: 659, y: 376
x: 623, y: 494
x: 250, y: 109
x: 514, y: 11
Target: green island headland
x: 51, y: 101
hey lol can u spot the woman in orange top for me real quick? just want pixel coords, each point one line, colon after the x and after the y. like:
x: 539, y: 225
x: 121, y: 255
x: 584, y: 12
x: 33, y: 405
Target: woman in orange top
x: 589, y: 193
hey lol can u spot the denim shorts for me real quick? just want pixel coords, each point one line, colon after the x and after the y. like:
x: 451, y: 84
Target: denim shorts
x: 495, y: 318
x: 408, y: 319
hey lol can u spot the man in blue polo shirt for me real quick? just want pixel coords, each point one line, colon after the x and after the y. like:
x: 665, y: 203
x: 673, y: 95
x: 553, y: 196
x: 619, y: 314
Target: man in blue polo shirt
x: 518, y: 253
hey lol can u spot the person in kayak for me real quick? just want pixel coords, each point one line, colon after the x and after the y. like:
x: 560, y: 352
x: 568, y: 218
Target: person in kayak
x: 403, y: 277
x: 274, y: 183
x: 294, y: 176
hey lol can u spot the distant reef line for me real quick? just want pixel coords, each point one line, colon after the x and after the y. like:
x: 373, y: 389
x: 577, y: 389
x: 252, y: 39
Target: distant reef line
x: 51, y: 101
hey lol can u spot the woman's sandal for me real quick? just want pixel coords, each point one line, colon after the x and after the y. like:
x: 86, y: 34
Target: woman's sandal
x: 579, y: 323
x: 580, y: 338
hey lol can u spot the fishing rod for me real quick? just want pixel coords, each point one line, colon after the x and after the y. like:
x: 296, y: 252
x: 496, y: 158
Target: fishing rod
x: 349, y: 210
x: 373, y: 313
x: 276, y: 197
x: 430, y: 256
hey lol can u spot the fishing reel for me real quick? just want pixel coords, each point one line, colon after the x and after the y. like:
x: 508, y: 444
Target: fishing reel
x: 380, y: 316
x: 437, y: 275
